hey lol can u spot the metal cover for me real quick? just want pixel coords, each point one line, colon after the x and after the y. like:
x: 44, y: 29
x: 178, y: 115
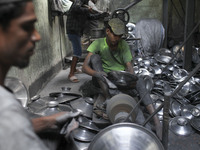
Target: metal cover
x: 125, y: 136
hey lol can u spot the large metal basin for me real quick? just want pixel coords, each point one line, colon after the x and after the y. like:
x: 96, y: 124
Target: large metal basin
x: 125, y: 136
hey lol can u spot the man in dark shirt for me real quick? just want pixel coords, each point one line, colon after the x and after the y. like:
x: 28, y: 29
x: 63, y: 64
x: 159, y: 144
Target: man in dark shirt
x: 76, y: 19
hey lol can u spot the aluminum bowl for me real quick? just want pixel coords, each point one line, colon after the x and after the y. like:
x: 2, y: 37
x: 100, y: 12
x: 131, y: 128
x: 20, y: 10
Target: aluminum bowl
x: 180, y: 74
x: 88, y: 124
x: 181, y: 126
x: 175, y: 108
x: 82, y: 105
x: 122, y: 79
x: 83, y: 134
x: 125, y: 136
x: 162, y: 58
x: 189, y: 111
x: 144, y: 72
x: 19, y: 90
x: 165, y: 52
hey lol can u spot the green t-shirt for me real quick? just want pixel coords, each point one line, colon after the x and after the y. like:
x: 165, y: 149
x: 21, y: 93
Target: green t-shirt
x: 122, y: 54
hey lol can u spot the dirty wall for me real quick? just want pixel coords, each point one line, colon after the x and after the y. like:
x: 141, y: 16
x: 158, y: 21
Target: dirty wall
x: 53, y: 46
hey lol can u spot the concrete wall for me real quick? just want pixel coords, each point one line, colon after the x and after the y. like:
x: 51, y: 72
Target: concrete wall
x: 48, y: 52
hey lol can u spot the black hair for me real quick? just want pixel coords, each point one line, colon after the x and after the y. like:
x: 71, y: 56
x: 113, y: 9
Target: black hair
x: 10, y: 11
x: 85, y: 2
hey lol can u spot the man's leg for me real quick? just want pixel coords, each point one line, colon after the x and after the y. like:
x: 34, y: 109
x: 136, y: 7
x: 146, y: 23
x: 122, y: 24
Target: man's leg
x: 77, y: 52
x: 96, y: 64
x: 147, y: 101
x: 73, y: 66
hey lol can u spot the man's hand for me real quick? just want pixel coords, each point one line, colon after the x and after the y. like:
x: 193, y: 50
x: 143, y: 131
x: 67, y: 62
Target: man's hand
x: 100, y: 75
x: 104, y: 14
x: 65, y: 116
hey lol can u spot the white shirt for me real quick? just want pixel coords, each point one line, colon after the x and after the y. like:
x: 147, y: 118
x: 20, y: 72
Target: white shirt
x: 16, y: 131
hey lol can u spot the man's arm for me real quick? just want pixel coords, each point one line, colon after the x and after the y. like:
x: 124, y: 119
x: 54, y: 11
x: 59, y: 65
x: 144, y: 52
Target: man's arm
x: 86, y: 67
x: 129, y: 67
x: 48, y: 122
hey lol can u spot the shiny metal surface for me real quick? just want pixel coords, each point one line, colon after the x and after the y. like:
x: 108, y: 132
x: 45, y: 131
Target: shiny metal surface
x: 148, y: 83
x: 175, y: 108
x: 83, y: 135
x: 165, y: 52
x: 185, y: 89
x: 125, y: 136
x: 179, y: 56
x: 79, y: 145
x: 119, y: 107
x: 188, y: 111
x: 61, y: 97
x: 181, y: 126
x: 88, y: 124
x: 36, y: 104
x: 195, y: 123
x: 157, y: 69
x: 89, y: 100
x: 19, y: 89
x: 52, y: 107
x: 123, y: 79
x: 156, y: 105
x: 83, y: 106
x: 154, y: 97
x: 180, y: 74
x: 145, y: 72
x: 162, y: 58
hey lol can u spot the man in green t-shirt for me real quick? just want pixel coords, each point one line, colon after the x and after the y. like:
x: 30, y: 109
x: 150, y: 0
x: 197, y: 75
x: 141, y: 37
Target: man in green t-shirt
x: 112, y: 53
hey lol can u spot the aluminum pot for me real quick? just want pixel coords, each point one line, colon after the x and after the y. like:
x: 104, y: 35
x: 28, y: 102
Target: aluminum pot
x: 125, y: 136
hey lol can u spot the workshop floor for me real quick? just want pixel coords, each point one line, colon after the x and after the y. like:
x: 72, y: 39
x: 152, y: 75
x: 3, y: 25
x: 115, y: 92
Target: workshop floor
x: 60, y: 80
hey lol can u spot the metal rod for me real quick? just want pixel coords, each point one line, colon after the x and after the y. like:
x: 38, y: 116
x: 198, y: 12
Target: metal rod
x: 166, y: 107
x: 193, y: 30
x: 165, y: 128
x: 135, y: 107
x: 132, y: 4
x: 155, y: 112
x: 186, y: 80
x: 61, y: 55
